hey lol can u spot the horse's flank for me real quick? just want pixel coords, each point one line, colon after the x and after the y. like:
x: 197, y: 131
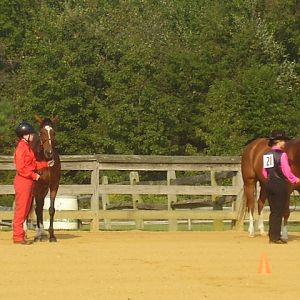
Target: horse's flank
x: 292, y: 149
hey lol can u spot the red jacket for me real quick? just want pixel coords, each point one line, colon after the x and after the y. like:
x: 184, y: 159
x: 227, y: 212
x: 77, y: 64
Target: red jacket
x: 26, y: 162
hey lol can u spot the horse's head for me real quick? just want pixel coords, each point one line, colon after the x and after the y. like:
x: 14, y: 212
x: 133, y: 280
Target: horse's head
x: 47, y: 136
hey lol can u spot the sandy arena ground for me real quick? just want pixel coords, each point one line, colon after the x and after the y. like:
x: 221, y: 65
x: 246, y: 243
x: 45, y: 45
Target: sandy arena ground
x: 139, y: 265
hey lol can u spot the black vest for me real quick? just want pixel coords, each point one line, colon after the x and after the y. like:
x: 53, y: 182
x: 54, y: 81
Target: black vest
x: 275, y: 172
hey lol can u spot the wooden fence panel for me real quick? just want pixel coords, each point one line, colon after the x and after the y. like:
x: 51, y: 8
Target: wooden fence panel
x: 170, y: 190
x: 98, y: 164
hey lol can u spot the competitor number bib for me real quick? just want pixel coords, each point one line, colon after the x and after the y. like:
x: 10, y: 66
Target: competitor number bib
x: 268, y: 161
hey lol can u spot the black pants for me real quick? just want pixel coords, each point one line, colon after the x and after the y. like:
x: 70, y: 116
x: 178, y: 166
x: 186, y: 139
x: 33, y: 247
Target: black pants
x: 278, y: 197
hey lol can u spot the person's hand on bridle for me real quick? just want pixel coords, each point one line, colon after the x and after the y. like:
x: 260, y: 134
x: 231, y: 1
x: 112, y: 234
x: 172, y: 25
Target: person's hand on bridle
x: 51, y: 163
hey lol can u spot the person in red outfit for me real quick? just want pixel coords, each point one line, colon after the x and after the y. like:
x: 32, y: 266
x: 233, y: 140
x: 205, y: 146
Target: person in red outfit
x: 26, y: 166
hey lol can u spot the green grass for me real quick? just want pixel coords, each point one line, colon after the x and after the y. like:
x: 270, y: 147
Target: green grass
x: 205, y: 226
x: 165, y: 227
x: 292, y: 227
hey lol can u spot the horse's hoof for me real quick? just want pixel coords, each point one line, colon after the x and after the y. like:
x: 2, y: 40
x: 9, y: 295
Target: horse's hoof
x: 251, y: 232
x: 284, y: 234
x: 44, y: 237
x: 41, y: 238
x: 52, y: 239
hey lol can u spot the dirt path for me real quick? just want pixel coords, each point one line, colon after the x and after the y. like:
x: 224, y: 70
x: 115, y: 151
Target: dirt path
x: 139, y: 265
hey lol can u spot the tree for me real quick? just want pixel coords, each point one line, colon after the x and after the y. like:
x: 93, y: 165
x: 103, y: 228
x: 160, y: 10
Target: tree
x: 259, y: 91
x: 14, y: 17
x: 151, y: 77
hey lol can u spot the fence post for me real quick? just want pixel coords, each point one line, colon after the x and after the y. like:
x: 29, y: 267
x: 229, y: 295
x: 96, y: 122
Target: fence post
x: 105, y: 202
x: 171, y: 199
x: 134, y: 178
x: 95, y: 198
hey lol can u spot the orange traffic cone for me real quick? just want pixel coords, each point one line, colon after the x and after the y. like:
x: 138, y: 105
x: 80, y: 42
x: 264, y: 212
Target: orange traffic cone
x: 264, y: 267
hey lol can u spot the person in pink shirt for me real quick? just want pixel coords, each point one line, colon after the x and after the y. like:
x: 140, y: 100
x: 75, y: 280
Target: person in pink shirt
x: 277, y: 171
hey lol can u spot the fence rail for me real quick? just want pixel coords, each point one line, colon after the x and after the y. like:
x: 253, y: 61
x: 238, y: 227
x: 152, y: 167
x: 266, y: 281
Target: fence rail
x: 101, y: 190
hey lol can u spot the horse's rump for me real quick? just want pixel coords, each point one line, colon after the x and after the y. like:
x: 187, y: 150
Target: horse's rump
x: 252, y: 160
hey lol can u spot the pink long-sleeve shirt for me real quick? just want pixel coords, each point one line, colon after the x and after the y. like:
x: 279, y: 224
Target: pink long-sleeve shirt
x: 285, y: 167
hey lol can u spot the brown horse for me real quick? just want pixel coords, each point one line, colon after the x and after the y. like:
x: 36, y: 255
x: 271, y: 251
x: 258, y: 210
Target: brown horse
x: 251, y: 166
x: 49, y: 180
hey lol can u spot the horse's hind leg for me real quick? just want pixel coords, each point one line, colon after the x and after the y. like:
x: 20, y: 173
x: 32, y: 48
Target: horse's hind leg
x: 261, y: 202
x: 249, y: 189
x: 284, y: 229
x: 40, y: 233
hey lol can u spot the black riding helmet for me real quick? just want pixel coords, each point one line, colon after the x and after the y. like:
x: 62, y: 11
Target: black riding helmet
x: 24, y: 128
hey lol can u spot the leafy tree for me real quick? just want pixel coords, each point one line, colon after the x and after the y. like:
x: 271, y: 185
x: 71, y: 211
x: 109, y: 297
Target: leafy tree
x: 14, y: 17
x: 259, y: 91
x: 63, y: 76
x: 249, y: 107
x: 151, y: 77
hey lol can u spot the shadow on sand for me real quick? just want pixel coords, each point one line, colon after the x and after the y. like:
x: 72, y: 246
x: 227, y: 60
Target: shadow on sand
x: 293, y: 238
x: 66, y: 236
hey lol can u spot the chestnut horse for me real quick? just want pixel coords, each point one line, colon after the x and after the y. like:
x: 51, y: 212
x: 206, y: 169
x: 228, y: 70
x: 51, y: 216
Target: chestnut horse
x: 251, y: 167
x: 49, y: 180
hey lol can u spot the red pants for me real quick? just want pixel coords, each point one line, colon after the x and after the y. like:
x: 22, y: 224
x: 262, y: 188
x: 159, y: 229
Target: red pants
x: 23, y: 199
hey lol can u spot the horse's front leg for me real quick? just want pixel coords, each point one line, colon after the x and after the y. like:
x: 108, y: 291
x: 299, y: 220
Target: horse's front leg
x: 40, y: 234
x: 261, y: 203
x: 52, y: 237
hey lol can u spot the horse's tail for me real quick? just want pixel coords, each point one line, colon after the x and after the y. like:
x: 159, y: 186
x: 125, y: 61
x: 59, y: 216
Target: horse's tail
x: 241, y: 210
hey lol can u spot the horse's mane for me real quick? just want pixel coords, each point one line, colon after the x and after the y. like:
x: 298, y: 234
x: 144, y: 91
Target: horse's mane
x: 253, y: 139
x: 35, y: 146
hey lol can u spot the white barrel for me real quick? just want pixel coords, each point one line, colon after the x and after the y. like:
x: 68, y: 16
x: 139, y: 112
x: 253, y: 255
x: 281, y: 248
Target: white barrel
x: 62, y: 202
